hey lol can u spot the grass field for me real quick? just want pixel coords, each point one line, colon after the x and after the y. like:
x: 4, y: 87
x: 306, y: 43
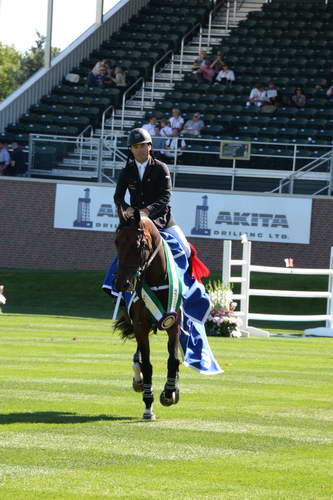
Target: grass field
x: 71, y: 425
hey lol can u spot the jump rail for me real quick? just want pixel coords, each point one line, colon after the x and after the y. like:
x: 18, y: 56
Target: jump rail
x: 246, y: 291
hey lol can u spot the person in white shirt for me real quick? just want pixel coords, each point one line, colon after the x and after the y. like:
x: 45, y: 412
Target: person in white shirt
x: 176, y: 120
x: 174, y: 146
x: 272, y: 94
x: 257, y: 96
x: 150, y: 126
x: 166, y: 130
x: 226, y: 75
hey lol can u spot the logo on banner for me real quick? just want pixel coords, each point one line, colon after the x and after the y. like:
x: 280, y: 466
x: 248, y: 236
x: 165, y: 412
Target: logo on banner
x: 83, y: 219
x: 83, y: 211
x: 201, y: 219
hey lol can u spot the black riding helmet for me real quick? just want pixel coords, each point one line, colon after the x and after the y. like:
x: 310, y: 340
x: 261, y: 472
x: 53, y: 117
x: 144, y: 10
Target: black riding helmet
x: 138, y: 136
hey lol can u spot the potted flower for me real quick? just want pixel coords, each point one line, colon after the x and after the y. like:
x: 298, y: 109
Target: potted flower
x: 222, y: 320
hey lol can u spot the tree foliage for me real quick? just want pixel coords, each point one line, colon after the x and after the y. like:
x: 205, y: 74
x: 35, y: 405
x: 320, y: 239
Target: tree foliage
x: 10, y: 65
x: 16, y: 68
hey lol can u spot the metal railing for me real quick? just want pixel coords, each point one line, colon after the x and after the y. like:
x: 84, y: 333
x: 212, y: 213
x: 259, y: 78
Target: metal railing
x: 154, y: 71
x: 108, y: 154
x: 81, y: 139
x: 125, y: 94
x: 218, y: 5
x: 182, y: 45
x: 310, y: 167
x: 104, y: 117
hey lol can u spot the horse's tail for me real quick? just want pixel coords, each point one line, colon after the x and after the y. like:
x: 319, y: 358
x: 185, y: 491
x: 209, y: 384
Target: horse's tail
x: 125, y: 326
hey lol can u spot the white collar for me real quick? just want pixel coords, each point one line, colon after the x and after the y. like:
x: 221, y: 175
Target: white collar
x: 142, y: 165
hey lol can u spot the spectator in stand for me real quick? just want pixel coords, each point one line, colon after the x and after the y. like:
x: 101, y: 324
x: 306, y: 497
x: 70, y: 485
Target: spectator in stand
x: 101, y: 80
x: 119, y: 78
x: 257, y: 96
x: 18, y: 163
x: 176, y: 120
x: 226, y: 76
x: 194, y: 126
x: 298, y: 98
x: 174, y: 146
x: 218, y: 62
x: 205, y: 73
x: 151, y: 125
x: 166, y: 130
x: 199, y: 61
x: 4, y: 158
x: 322, y: 85
x: 106, y: 63
x: 158, y: 141
x: 272, y: 94
x: 329, y: 92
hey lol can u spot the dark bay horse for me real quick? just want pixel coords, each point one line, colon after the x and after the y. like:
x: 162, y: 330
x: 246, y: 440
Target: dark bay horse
x: 142, y: 260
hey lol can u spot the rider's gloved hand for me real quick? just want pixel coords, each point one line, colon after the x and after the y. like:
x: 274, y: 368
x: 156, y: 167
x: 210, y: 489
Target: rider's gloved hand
x: 129, y: 212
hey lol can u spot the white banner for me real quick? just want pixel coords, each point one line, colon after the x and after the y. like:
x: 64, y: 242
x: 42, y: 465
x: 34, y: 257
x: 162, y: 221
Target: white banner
x: 220, y: 216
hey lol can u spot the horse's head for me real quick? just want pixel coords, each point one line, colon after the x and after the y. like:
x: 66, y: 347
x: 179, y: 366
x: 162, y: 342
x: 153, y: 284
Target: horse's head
x: 134, y: 246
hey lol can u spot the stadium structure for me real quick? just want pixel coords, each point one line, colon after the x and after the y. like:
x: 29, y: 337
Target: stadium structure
x: 75, y: 133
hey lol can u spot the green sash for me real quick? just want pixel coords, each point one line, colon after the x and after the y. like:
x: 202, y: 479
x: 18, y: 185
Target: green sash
x: 165, y: 318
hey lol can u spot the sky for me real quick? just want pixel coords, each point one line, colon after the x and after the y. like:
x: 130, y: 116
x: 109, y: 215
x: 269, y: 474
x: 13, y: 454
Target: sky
x: 20, y: 19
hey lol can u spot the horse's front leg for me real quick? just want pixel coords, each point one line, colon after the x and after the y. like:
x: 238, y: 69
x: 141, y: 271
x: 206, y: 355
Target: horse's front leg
x: 137, y: 382
x: 170, y: 394
x: 147, y: 373
x: 142, y: 325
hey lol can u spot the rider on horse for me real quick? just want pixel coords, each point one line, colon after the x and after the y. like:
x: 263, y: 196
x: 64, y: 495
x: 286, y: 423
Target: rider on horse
x: 149, y: 184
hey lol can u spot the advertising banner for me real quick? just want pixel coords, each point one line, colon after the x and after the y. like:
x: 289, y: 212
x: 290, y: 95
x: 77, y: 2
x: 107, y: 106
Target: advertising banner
x: 214, y: 215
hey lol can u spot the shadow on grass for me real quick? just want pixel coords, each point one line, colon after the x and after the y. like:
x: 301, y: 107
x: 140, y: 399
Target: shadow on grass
x: 55, y: 417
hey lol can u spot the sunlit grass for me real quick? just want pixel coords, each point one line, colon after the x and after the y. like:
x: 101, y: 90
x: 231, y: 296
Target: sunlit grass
x: 71, y: 428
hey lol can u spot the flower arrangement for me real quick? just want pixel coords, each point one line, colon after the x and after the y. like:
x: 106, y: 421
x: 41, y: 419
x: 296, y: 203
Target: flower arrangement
x: 222, y: 320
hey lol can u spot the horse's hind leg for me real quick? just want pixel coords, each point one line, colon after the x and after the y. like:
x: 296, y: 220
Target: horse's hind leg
x: 170, y: 394
x: 137, y: 383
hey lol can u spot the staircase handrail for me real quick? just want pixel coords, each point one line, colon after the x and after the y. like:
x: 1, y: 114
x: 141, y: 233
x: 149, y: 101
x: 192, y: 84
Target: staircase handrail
x: 210, y: 17
x: 317, y: 162
x: 104, y: 116
x: 199, y: 25
x: 80, y: 139
x: 125, y: 94
x: 154, y: 71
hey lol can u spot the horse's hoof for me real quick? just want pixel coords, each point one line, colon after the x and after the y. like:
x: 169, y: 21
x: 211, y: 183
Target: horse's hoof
x: 148, y: 415
x: 171, y: 399
x: 137, y: 385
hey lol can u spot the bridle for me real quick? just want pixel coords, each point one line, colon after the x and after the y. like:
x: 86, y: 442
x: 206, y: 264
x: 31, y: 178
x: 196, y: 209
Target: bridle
x: 137, y: 278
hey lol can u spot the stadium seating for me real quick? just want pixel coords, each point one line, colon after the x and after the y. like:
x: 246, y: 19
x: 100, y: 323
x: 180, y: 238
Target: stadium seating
x: 157, y: 27
x: 285, y: 43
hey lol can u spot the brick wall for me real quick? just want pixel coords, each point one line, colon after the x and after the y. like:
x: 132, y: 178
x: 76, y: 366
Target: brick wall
x: 28, y: 239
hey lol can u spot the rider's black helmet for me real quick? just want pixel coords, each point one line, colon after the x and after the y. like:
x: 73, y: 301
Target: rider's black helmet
x: 139, y: 136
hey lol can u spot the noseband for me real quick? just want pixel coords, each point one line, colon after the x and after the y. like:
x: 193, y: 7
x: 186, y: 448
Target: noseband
x: 138, y: 275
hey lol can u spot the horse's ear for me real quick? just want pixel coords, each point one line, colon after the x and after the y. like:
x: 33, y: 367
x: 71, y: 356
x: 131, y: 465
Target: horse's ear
x: 121, y: 214
x: 137, y: 215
